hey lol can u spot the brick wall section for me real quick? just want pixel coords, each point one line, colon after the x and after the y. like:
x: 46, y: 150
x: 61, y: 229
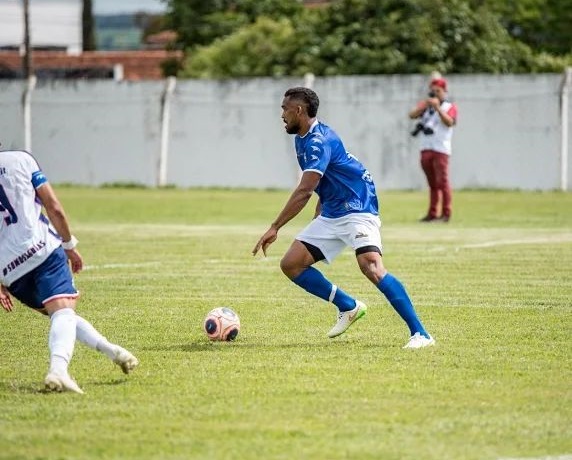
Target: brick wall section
x: 137, y: 65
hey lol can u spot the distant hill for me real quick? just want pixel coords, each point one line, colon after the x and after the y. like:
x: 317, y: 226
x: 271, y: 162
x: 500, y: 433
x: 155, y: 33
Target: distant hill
x: 117, y: 32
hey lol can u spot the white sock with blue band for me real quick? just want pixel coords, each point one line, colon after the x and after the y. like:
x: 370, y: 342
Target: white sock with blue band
x: 61, y: 339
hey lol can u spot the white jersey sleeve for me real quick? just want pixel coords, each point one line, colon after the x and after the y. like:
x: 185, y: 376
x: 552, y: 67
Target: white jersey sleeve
x: 26, y: 239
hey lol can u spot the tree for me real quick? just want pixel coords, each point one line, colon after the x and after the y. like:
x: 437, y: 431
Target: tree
x: 366, y: 37
x: 266, y: 47
x: 545, y: 25
x: 200, y: 22
x: 406, y: 36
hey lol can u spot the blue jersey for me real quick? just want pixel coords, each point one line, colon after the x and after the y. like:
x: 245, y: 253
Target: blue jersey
x: 346, y: 186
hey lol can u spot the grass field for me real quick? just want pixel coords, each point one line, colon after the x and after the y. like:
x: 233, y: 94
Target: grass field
x: 494, y: 287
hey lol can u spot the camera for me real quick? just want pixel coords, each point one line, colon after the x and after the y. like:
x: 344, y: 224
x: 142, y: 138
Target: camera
x: 420, y: 126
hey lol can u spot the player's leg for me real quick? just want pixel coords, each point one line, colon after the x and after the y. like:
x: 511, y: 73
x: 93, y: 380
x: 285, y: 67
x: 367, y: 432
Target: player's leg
x: 318, y: 242
x: 88, y: 335
x: 365, y: 238
x: 428, y: 166
x: 25, y: 291
x: 372, y: 267
x: 61, y: 342
x: 55, y: 288
x: 297, y: 265
x: 30, y: 291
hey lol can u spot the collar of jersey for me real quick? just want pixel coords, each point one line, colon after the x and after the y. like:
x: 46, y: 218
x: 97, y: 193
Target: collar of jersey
x: 313, y: 125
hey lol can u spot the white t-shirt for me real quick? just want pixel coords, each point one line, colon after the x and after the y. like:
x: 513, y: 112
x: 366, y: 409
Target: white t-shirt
x: 440, y: 140
x: 26, y: 239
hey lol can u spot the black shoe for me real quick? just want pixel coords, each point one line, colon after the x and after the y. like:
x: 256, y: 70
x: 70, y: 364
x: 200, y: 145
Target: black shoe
x: 428, y: 218
x: 444, y: 219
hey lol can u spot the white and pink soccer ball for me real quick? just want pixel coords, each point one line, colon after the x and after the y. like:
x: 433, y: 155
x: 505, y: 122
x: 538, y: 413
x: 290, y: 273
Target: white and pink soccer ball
x: 222, y: 324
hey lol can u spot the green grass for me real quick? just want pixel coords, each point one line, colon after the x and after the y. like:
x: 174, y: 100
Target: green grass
x: 494, y: 287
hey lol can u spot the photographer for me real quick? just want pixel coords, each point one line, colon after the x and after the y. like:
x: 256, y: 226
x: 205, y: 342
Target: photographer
x: 436, y: 116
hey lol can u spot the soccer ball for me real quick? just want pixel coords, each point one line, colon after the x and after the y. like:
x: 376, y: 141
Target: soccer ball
x: 222, y: 324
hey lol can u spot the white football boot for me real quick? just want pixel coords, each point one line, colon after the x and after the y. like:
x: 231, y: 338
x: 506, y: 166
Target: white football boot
x: 125, y: 360
x: 419, y: 341
x: 61, y: 382
x: 347, y: 318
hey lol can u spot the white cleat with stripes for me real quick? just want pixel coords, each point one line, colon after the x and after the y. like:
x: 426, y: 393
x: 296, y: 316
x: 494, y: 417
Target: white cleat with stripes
x: 347, y: 318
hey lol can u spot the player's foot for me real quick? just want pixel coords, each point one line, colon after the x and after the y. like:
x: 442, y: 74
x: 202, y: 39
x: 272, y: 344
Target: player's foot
x: 347, y: 318
x: 428, y: 218
x: 125, y: 360
x: 61, y: 382
x: 419, y: 341
x: 444, y: 219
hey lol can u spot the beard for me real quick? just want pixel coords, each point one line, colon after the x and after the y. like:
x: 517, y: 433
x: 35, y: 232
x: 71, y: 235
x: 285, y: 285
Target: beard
x: 293, y: 128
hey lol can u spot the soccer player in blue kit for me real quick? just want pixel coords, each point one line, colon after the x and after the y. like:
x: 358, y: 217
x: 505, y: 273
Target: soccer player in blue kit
x: 346, y: 215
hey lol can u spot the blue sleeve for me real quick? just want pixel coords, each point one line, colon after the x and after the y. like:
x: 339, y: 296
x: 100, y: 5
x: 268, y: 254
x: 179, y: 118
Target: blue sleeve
x: 316, y: 156
x: 38, y: 179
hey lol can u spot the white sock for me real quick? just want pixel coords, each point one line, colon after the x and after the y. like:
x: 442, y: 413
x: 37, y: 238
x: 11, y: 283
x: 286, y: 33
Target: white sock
x: 61, y: 339
x: 89, y: 335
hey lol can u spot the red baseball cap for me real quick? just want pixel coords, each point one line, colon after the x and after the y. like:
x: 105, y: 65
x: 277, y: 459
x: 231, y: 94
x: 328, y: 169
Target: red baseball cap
x: 441, y: 82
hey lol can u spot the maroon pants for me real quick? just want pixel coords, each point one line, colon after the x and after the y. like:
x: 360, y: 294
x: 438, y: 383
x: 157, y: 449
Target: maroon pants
x: 436, y: 168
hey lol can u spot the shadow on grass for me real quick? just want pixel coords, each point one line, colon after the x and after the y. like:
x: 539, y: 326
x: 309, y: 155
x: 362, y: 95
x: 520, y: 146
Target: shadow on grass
x: 20, y: 387
x: 38, y: 388
x: 202, y: 346
x: 114, y: 382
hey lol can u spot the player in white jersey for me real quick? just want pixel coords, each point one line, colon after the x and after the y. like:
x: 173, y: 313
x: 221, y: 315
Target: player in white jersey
x: 34, y: 266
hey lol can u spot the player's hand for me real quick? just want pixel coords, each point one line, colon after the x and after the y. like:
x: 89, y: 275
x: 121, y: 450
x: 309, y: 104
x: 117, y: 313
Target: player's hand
x: 75, y: 259
x: 5, y: 299
x: 433, y: 102
x: 266, y: 240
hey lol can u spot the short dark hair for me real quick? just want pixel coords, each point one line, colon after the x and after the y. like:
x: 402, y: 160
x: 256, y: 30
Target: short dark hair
x: 307, y: 96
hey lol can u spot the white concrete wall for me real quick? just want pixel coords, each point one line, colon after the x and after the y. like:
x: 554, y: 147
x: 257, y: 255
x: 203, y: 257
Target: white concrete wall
x: 229, y: 134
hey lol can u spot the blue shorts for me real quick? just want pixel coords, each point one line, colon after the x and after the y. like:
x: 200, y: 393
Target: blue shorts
x: 50, y: 280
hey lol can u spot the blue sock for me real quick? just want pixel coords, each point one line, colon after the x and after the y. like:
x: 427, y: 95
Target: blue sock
x: 395, y: 292
x: 315, y: 283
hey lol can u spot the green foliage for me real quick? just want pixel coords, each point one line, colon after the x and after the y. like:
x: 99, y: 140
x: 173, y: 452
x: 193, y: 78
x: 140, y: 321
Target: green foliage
x: 200, y: 22
x: 543, y: 24
x: 265, y: 48
x: 370, y: 37
x: 365, y: 36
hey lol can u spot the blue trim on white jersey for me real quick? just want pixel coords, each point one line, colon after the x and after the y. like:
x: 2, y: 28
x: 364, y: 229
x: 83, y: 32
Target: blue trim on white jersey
x: 38, y: 179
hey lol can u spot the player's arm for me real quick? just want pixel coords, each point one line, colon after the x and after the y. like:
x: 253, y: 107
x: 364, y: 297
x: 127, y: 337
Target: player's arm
x: 58, y: 219
x: 299, y: 198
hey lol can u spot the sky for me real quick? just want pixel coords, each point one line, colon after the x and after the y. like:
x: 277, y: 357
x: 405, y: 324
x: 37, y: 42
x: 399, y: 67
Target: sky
x: 127, y: 6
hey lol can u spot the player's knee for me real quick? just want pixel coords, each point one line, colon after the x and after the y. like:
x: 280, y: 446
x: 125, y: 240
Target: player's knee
x: 372, y: 270
x: 288, y: 267
x: 372, y: 274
